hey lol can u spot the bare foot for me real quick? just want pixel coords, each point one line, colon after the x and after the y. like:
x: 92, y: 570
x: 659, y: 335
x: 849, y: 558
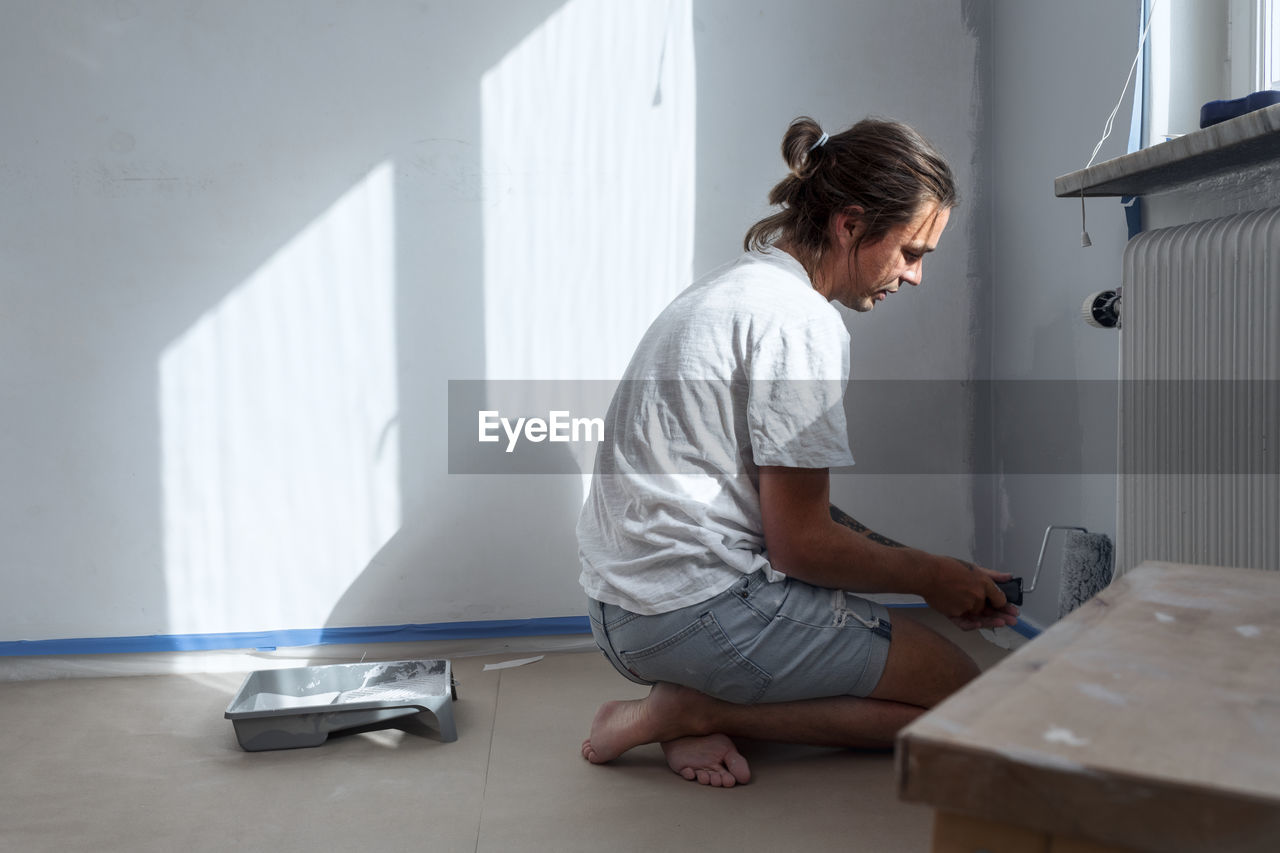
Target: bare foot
x: 621, y: 725
x: 617, y: 727
x: 710, y: 760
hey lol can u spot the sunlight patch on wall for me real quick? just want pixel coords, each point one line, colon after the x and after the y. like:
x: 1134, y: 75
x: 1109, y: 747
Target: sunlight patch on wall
x: 278, y: 409
x: 588, y: 154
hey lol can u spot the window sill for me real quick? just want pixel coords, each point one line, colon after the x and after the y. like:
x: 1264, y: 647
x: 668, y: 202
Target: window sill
x: 1238, y: 144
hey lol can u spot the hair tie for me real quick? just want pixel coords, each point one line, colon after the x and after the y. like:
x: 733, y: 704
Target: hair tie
x: 822, y: 140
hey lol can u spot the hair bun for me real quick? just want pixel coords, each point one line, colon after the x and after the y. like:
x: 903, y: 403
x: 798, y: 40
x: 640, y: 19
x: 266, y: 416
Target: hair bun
x: 802, y: 138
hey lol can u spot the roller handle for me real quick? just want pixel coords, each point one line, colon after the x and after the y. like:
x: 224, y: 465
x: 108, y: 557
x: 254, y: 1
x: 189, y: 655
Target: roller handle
x: 1012, y: 590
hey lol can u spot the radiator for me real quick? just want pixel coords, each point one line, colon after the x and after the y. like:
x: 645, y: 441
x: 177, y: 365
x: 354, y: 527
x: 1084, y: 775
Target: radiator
x: 1199, y: 443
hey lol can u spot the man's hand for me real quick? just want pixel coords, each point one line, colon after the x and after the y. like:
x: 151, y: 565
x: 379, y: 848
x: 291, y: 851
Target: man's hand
x: 968, y: 596
x: 991, y: 616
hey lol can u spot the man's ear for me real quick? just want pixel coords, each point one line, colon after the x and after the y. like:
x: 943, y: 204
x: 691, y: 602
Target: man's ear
x: 848, y: 224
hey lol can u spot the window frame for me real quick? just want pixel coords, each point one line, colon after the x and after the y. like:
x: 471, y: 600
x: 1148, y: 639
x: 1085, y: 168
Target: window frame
x: 1268, y: 44
x: 1220, y: 57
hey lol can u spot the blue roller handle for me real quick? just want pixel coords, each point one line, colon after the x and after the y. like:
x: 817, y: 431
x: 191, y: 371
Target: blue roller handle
x: 1216, y: 111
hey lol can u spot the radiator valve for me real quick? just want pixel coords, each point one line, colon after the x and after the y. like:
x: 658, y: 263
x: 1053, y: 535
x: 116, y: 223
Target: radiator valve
x: 1102, y: 309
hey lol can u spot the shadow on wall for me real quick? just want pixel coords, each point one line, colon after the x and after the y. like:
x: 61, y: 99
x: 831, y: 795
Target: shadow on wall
x: 277, y: 262
x: 587, y: 157
x: 303, y: 415
x: 184, y: 350
x: 487, y: 141
x: 284, y: 407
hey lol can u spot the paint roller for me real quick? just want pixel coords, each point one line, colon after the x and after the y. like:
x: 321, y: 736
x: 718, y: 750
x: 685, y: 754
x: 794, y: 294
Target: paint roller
x: 1087, y: 562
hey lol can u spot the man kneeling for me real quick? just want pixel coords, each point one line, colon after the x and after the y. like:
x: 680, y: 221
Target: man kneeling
x: 715, y: 567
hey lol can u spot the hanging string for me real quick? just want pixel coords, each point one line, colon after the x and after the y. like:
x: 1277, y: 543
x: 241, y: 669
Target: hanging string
x: 1106, y: 130
x: 1085, y: 242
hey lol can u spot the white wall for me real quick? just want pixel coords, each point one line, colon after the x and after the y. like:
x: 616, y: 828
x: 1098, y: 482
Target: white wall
x: 184, y: 182
x: 213, y: 422
x: 246, y: 245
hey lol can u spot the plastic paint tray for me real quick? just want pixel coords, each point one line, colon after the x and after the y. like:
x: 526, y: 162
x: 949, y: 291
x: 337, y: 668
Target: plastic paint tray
x: 291, y: 708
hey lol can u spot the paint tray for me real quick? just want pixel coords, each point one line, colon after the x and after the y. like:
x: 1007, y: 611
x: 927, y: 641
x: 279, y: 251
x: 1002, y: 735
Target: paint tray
x: 292, y: 708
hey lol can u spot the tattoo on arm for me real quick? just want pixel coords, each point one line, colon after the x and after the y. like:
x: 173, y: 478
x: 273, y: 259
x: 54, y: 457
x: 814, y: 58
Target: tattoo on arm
x: 841, y: 517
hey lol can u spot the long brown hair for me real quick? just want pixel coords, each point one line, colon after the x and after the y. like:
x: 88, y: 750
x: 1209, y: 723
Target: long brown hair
x: 883, y: 167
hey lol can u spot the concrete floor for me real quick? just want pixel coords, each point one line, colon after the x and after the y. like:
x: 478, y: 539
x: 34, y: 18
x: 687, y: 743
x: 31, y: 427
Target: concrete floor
x: 148, y: 763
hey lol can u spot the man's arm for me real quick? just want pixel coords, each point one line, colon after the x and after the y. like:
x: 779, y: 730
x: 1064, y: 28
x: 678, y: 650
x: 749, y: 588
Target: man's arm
x: 839, y: 516
x: 806, y: 540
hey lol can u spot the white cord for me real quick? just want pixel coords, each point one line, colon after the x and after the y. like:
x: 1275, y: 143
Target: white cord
x: 1106, y: 130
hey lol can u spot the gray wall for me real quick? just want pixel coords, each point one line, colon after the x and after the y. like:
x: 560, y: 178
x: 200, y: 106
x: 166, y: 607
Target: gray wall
x: 176, y: 176
x: 1056, y: 73
x: 838, y: 62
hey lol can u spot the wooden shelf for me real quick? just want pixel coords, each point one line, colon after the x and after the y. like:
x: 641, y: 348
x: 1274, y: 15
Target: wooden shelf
x: 1144, y: 720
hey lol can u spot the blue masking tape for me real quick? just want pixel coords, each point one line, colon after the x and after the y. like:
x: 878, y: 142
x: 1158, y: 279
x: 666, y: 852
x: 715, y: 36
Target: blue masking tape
x: 300, y: 637
x: 326, y: 636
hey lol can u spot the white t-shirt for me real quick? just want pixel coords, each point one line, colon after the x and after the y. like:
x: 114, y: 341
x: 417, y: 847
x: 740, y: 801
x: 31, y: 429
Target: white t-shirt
x: 747, y: 367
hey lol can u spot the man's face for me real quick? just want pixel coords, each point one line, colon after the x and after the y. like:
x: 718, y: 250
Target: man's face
x: 880, y: 267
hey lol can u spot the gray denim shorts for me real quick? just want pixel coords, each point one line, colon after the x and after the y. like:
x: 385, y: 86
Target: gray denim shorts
x: 755, y: 642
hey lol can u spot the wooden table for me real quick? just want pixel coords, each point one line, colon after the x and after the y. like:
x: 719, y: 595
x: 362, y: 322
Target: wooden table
x: 1146, y: 720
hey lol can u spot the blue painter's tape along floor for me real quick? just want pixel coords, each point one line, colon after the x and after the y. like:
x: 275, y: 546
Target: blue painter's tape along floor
x: 149, y: 764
